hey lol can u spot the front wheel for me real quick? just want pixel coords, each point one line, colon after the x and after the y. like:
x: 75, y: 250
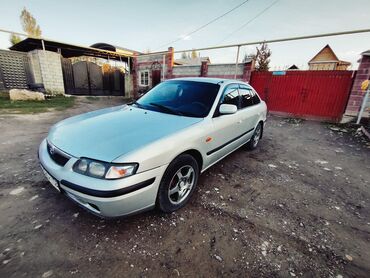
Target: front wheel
x: 257, y: 134
x: 178, y: 183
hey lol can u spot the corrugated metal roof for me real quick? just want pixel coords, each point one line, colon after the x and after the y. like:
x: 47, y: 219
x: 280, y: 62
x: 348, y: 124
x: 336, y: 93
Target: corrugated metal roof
x: 68, y: 50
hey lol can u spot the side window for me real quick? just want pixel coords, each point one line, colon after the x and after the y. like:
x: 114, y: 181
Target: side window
x: 256, y: 99
x: 231, y: 96
x: 246, y: 96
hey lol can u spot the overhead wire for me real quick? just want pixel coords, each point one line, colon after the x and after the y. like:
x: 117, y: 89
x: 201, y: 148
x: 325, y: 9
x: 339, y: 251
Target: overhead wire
x: 249, y: 21
x: 204, y: 25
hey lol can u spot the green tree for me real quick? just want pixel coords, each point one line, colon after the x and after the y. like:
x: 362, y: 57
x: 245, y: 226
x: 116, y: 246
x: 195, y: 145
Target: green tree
x: 14, y: 39
x: 29, y: 24
x: 263, y: 57
x: 184, y: 55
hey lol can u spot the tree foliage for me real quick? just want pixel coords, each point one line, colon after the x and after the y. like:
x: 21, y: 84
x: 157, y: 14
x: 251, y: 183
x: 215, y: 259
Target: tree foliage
x: 14, y: 39
x: 29, y: 25
x: 184, y: 55
x: 263, y: 57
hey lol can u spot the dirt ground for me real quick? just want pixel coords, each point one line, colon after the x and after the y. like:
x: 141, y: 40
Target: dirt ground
x: 299, y: 205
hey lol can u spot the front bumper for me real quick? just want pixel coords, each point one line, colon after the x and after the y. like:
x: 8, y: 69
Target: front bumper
x: 107, y: 198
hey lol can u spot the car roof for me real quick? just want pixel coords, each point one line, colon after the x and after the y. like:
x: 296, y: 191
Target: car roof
x: 209, y: 80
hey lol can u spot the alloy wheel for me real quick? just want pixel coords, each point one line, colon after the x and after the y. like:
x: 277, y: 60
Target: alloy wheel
x: 181, y: 184
x: 256, y: 136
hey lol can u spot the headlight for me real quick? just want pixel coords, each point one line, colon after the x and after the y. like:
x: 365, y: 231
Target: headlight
x: 104, y: 170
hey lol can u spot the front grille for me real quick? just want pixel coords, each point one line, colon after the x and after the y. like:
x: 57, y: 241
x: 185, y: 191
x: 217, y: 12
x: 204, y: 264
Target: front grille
x: 57, y: 156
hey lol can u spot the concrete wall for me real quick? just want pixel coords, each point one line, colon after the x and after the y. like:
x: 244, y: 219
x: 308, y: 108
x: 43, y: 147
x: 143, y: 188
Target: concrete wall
x: 35, y: 66
x: 14, y: 70
x: 49, y: 65
x: 225, y: 71
x: 357, y: 95
x: 129, y: 86
x: 185, y: 71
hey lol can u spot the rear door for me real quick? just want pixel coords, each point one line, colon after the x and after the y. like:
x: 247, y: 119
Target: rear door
x: 225, y: 128
x: 249, y: 111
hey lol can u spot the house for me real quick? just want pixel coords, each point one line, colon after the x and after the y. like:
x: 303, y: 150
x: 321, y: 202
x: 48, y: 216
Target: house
x: 327, y: 60
x: 293, y: 67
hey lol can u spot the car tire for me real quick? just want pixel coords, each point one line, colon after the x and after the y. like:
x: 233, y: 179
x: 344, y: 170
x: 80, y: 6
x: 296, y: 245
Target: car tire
x: 256, y: 137
x: 178, y: 183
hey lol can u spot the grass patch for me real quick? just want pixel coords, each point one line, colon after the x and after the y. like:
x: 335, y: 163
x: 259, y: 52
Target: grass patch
x: 32, y: 106
x: 92, y: 98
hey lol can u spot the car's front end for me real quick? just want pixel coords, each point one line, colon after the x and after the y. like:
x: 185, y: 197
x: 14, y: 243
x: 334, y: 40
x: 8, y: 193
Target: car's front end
x: 100, y: 195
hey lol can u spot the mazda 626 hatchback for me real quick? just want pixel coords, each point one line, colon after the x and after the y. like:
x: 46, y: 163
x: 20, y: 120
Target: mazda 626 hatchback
x: 125, y: 159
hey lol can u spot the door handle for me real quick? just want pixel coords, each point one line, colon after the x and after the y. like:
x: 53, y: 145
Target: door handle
x: 240, y: 121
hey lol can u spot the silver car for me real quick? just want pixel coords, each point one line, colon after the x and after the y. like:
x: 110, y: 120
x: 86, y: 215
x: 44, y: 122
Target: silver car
x: 150, y: 153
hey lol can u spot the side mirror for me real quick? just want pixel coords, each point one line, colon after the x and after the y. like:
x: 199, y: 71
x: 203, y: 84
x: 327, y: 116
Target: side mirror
x: 228, y: 109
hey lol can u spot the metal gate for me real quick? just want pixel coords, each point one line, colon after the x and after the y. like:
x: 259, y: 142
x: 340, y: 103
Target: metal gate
x: 321, y: 95
x: 87, y: 78
x: 68, y: 76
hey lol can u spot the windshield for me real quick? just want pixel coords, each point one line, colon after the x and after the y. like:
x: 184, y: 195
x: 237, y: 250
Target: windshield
x: 179, y: 97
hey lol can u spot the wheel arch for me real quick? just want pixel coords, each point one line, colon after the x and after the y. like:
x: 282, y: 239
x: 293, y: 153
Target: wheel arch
x: 197, y: 156
x: 262, y: 127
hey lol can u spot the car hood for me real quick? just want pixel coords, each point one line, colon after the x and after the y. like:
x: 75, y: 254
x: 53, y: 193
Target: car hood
x: 109, y: 133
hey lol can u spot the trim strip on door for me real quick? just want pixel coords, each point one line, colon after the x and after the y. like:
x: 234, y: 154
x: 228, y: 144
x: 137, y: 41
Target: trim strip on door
x: 229, y: 142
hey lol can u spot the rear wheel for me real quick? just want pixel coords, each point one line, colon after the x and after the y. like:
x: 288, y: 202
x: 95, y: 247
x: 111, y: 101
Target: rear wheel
x: 257, y: 134
x: 178, y: 183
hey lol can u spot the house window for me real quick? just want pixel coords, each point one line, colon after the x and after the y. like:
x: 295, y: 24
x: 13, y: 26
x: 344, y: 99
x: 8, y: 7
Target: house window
x: 144, y: 78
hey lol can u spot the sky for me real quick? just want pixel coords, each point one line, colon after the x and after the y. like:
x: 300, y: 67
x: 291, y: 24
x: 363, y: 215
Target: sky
x: 147, y: 25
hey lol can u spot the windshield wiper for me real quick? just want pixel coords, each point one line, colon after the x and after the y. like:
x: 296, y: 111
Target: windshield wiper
x: 137, y: 104
x: 167, y: 109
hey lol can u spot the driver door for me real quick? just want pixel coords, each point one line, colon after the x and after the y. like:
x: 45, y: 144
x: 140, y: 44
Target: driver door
x: 225, y: 128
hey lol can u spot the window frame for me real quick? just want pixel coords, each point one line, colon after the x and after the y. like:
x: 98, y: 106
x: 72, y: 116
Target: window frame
x: 254, y: 93
x: 217, y: 113
x: 143, y: 79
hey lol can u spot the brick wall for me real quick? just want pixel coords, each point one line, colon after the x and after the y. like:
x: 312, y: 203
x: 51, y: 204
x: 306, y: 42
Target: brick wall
x: 356, y: 96
x: 147, y: 63
x: 49, y: 65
